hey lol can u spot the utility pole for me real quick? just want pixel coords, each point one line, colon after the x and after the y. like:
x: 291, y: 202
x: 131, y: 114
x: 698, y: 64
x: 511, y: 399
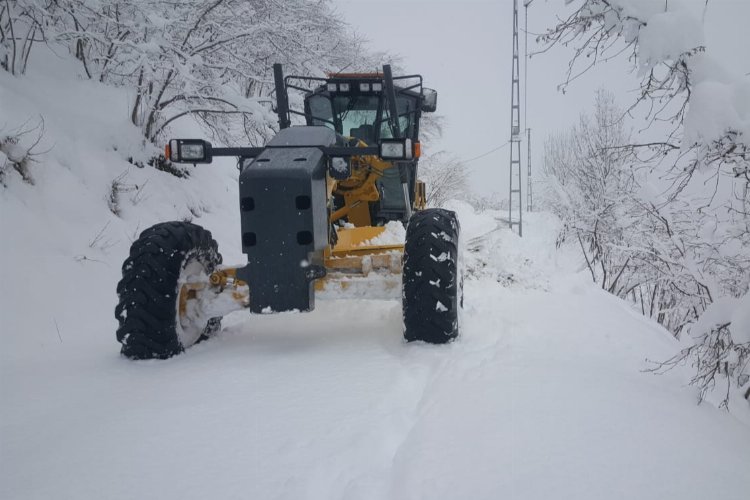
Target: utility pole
x: 529, y: 197
x: 514, y: 196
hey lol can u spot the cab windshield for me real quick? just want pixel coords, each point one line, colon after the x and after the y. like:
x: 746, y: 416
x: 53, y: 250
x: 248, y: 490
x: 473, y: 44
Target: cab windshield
x: 361, y: 116
x: 357, y: 115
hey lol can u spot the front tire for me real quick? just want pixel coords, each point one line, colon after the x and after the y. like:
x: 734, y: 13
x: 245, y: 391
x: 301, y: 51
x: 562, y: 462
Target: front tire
x: 432, y: 282
x: 148, y: 312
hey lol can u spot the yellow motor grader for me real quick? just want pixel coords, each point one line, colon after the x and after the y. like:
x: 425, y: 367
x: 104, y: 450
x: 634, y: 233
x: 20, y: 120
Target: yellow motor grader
x: 316, y: 204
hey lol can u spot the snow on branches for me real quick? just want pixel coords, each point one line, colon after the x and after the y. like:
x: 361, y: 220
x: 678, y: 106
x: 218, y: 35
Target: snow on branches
x: 19, y: 149
x: 674, y: 238
x: 21, y: 27
x: 209, y: 60
x: 445, y: 177
x: 680, y: 84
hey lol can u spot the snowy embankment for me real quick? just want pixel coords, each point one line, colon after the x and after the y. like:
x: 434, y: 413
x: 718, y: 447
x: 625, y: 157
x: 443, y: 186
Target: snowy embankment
x: 543, y: 395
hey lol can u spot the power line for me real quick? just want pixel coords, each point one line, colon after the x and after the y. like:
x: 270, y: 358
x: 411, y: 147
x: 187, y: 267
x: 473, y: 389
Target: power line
x: 486, y: 153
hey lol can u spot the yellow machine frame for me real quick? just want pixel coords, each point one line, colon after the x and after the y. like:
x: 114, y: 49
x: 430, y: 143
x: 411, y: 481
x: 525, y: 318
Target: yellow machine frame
x: 352, y: 256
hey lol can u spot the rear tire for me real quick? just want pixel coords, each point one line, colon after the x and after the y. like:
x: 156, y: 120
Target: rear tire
x: 147, y: 312
x: 432, y: 284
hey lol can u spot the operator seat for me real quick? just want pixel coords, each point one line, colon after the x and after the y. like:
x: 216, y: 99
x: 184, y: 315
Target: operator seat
x: 364, y: 133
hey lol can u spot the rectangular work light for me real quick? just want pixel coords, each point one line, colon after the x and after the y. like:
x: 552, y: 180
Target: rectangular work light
x: 396, y: 149
x: 188, y: 151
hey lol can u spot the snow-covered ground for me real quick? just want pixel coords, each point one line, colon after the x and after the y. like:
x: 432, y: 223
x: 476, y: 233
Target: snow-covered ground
x: 543, y: 396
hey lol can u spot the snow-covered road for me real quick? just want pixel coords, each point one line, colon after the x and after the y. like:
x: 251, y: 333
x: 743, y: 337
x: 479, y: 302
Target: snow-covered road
x: 542, y: 397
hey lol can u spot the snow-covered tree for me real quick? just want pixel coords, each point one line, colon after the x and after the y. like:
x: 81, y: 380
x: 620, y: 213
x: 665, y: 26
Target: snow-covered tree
x: 208, y: 60
x: 695, y: 197
x: 445, y: 178
x: 591, y: 186
x: 22, y: 25
x: 211, y: 60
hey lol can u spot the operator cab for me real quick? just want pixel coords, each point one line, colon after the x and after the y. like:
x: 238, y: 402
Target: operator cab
x: 355, y: 105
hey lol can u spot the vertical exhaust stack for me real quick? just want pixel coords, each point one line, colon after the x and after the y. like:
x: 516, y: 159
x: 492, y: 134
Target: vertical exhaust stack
x: 282, y: 99
x: 390, y: 94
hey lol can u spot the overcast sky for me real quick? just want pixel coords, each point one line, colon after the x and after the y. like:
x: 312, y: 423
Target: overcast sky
x: 463, y: 49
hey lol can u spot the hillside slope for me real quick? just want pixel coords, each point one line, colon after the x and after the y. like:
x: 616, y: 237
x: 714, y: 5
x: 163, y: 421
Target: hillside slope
x: 543, y: 396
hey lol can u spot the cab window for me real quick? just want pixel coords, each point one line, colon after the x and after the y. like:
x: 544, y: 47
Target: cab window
x: 321, y: 111
x: 406, y: 107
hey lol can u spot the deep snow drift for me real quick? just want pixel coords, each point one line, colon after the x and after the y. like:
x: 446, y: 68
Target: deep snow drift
x: 543, y: 395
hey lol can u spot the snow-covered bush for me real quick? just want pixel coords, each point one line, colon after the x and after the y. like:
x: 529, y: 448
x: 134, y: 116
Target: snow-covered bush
x: 689, y: 218
x: 19, y: 148
x: 591, y: 186
x: 445, y: 177
x: 719, y: 351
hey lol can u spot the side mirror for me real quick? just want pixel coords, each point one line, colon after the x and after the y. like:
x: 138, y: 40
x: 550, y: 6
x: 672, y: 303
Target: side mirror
x: 188, y: 151
x: 429, y: 100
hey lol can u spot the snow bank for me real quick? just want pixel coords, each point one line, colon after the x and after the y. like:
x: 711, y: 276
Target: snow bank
x: 473, y: 224
x: 726, y: 310
x: 63, y: 227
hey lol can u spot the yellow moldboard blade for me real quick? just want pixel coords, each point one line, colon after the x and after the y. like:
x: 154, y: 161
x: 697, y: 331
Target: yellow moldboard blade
x: 353, y: 241
x: 379, y: 286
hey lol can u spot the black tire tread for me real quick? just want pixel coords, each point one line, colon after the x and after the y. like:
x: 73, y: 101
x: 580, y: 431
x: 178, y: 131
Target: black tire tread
x: 148, y: 289
x: 424, y: 240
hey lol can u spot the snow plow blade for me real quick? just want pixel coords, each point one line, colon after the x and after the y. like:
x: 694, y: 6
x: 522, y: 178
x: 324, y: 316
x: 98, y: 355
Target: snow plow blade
x: 359, y: 267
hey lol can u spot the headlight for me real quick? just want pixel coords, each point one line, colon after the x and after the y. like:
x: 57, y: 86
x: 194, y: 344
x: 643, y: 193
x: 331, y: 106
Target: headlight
x: 392, y: 150
x: 189, y: 151
x: 192, y: 152
x: 396, y: 149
